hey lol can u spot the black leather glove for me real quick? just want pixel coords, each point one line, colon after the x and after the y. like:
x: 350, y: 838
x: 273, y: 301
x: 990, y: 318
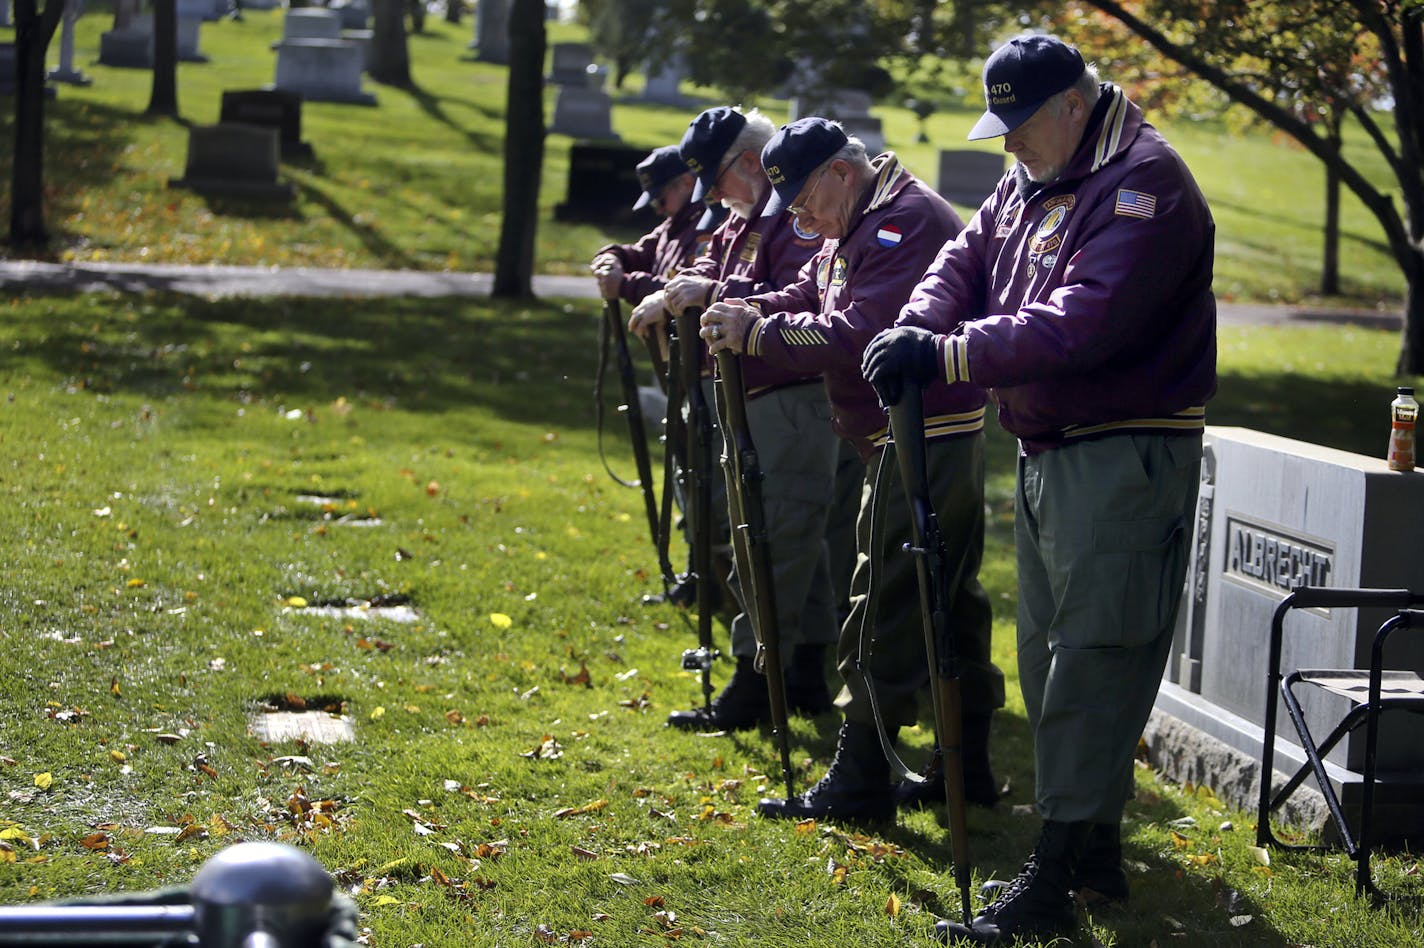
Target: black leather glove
x: 900, y: 355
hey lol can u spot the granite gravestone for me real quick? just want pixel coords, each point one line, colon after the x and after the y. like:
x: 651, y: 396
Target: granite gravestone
x: 234, y: 160
x: 272, y: 108
x: 603, y: 185
x: 1273, y: 514
x: 491, y: 40
x: 850, y: 107
x: 322, y: 70
x: 968, y: 177
x: 129, y: 46
x: 66, y: 70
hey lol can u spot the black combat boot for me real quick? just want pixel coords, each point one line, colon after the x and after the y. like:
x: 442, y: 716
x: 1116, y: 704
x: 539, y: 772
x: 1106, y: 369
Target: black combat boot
x: 742, y: 704
x: 806, y: 691
x: 1035, y: 905
x: 1100, y: 878
x: 980, y: 787
x: 855, y: 787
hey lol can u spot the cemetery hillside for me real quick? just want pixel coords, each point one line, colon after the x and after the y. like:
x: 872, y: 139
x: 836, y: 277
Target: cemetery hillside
x: 348, y: 573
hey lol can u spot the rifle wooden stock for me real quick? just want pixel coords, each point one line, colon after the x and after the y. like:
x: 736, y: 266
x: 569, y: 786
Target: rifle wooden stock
x: 697, y: 446
x: 750, y: 544
x: 936, y: 588
x: 637, y: 431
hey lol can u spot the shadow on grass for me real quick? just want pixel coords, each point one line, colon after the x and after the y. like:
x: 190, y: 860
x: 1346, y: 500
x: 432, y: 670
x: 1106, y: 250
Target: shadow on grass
x: 528, y: 363
x: 1256, y: 211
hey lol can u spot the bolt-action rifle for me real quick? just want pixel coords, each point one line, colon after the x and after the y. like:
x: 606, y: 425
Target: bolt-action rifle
x: 750, y: 546
x: 937, y: 585
x: 614, y: 330
x: 697, y: 489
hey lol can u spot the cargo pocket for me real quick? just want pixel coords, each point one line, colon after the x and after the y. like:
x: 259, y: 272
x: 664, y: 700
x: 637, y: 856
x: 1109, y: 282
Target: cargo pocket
x: 1138, y: 568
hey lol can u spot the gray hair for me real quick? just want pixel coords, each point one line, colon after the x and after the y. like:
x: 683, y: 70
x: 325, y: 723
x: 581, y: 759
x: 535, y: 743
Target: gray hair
x: 1087, y: 85
x: 853, y: 152
x: 755, y: 134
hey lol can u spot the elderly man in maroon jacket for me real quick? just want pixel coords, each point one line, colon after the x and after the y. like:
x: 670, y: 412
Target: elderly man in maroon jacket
x: 1080, y: 295
x: 883, y: 227
x: 786, y: 410
x: 633, y: 271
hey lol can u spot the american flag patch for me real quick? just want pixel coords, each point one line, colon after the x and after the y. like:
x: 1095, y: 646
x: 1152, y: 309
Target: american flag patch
x: 1135, y: 204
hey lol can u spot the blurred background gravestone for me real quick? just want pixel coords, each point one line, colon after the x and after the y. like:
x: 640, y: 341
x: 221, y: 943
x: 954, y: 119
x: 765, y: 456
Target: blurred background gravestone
x: 130, y: 43
x: 273, y: 108
x: 234, y: 160
x: 66, y: 71
x: 663, y: 81
x: 491, y: 41
x: 581, y: 108
x: 322, y: 70
x: 603, y: 185
x: 968, y: 177
x: 850, y: 107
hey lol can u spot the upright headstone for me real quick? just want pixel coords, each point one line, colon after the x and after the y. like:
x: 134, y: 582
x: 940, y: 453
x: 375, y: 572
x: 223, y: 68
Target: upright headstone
x: 361, y: 38
x: 968, y: 177
x: 569, y: 65
x: 1274, y: 514
x: 310, y: 23
x: 322, y: 70
x: 233, y: 160
x: 66, y: 71
x: 129, y: 46
x: 272, y: 108
x: 603, y: 184
x: 491, y: 41
x: 191, y: 14
x: 662, y: 83
x: 355, y: 14
x: 850, y: 107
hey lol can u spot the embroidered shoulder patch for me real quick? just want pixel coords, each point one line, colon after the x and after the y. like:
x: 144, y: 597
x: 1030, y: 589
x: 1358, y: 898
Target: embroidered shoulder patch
x: 803, y: 234
x: 1135, y: 204
x: 749, y: 249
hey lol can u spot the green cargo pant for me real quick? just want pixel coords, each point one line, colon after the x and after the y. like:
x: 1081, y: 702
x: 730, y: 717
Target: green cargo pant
x: 898, y: 662
x: 1101, y: 531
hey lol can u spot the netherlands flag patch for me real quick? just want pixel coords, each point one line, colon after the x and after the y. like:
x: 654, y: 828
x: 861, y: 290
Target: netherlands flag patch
x: 889, y: 236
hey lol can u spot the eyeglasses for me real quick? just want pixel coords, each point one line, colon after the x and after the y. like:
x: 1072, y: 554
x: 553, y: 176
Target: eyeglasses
x: 717, y: 182
x: 796, y: 210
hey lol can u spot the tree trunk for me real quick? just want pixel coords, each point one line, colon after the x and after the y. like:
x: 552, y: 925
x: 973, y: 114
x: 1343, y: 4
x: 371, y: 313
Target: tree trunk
x: 164, y: 98
x: 390, y: 56
x: 452, y: 10
x: 33, y: 31
x: 417, y: 16
x: 1330, y: 265
x: 523, y: 151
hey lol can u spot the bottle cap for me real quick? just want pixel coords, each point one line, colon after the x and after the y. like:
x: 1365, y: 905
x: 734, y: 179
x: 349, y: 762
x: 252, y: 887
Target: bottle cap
x: 1406, y: 390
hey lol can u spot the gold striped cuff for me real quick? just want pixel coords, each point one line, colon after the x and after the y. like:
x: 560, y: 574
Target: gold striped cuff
x: 940, y: 426
x: 956, y: 359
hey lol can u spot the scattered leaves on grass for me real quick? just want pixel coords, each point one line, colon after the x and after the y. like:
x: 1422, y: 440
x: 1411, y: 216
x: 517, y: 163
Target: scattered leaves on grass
x: 582, y: 853
x: 582, y: 678
x: 95, y: 841
x: 500, y: 621
x: 569, y: 811
x: 45, y: 780
x: 548, y: 749
x: 892, y: 905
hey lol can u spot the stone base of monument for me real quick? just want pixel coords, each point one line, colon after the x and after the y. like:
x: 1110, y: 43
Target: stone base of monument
x: 322, y: 71
x: 73, y: 77
x: 234, y: 160
x: 128, y: 49
x: 1274, y: 514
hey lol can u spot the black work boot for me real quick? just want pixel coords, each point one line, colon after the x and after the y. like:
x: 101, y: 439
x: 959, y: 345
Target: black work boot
x: 742, y: 704
x: 1035, y: 905
x: 1100, y: 878
x: 855, y: 787
x: 806, y: 691
x: 980, y: 787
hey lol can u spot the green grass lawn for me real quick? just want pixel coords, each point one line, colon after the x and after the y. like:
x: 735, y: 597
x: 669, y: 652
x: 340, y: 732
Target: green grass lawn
x: 511, y: 781
x: 415, y: 181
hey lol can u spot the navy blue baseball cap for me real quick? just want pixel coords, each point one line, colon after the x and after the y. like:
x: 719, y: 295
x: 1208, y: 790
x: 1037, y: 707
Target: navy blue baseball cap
x: 655, y: 171
x: 1019, y: 77
x: 793, y: 153
x: 705, y: 143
